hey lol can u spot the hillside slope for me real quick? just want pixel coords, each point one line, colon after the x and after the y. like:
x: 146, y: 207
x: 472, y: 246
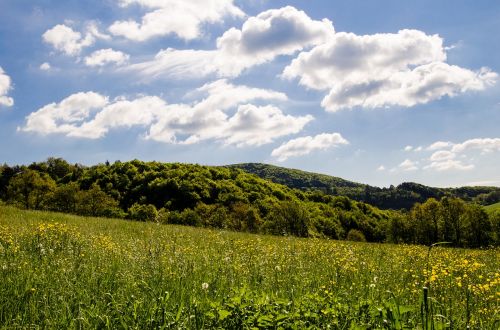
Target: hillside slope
x: 188, y: 194
x: 403, y: 196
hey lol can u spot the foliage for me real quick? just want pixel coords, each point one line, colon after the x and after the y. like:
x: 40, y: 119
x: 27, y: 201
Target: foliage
x: 404, y: 196
x: 143, y: 212
x: 355, y: 236
x: 230, y: 198
x: 449, y: 220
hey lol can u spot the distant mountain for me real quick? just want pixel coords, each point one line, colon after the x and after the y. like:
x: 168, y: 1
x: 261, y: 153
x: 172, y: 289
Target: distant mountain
x: 403, y: 196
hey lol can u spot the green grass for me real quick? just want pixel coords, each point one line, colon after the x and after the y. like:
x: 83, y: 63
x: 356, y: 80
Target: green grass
x: 59, y: 271
x: 493, y: 207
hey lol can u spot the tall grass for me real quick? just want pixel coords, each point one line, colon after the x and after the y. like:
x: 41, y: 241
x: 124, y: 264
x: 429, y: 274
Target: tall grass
x: 59, y: 271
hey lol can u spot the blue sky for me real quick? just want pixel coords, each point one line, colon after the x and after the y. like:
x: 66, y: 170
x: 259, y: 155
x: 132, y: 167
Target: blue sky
x: 378, y: 92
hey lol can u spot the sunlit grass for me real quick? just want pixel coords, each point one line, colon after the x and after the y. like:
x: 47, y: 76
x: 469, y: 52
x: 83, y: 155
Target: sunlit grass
x: 61, y: 271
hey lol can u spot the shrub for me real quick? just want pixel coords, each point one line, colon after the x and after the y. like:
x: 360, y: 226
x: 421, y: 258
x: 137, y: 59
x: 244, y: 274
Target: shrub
x: 143, y: 212
x: 355, y: 236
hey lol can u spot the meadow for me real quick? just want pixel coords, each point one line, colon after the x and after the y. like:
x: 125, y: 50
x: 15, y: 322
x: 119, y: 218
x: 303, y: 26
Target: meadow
x: 61, y: 271
x: 492, y: 208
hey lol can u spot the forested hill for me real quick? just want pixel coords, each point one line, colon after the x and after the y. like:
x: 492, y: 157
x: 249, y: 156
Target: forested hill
x: 230, y: 198
x: 188, y: 194
x: 403, y: 196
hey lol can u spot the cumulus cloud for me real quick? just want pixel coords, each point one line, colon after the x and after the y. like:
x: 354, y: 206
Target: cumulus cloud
x: 182, y: 18
x: 64, y: 117
x: 255, y: 126
x: 261, y: 39
x: 421, y: 85
x: 485, y: 145
x: 223, y: 114
x: 442, y: 155
x: 382, y: 70
x: 350, y: 57
x: 408, y: 165
x: 5, y: 87
x: 45, y: 66
x: 445, y: 153
x: 305, y: 145
x: 439, y: 145
x: 449, y: 164
x: 106, y: 56
x: 64, y: 39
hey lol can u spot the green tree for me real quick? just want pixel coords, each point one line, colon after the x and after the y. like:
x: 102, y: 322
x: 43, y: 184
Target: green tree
x: 30, y: 189
x: 288, y: 218
x: 95, y: 202
x: 65, y: 198
x: 478, y: 226
x: 142, y: 212
x: 451, y: 226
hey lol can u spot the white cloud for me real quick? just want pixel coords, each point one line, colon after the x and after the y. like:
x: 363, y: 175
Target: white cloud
x: 255, y: 126
x: 45, y: 66
x: 182, y: 18
x: 106, y: 56
x: 350, y: 57
x: 442, y: 155
x: 5, y: 87
x: 483, y: 183
x: 382, y: 70
x: 305, y: 145
x: 408, y: 148
x: 445, y: 153
x: 381, y: 168
x: 90, y: 115
x: 178, y: 64
x: 449, y: 164
x: 272, y: 33
x: 261, y: 39
x: 439, y: 145
x: 485, y: 145
x: 121, y: 114
x: 421, y: 85
x: 209, y: 119
x: 66, y: 40
x: 408, y: 165
x: 64, y: 117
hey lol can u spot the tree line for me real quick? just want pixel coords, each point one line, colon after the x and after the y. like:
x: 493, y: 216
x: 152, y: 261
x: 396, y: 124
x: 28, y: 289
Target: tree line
x: 403, y: 196
x: 229, y: 198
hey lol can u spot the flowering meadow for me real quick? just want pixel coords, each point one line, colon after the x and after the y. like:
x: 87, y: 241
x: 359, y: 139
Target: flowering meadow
x: 61, y: 271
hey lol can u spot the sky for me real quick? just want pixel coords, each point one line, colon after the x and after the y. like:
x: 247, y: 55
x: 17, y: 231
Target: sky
x: 378, y: 92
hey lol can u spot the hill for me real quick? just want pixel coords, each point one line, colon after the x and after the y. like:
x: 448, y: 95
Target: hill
x: 403, y: 196
x: 188, y: 194
x: 230, y: 198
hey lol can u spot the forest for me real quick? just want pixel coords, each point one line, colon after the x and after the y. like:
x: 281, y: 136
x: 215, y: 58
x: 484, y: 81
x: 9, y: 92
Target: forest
x: 232, y: 199
x: 403, y: 196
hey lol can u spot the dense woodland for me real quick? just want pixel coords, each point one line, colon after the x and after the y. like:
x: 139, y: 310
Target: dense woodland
x: 230, y: 198
x: 403, y: 196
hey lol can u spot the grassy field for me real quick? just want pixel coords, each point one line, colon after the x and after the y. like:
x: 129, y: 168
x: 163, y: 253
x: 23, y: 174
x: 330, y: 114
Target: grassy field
x: 492, y: 207
x: 60, y: 271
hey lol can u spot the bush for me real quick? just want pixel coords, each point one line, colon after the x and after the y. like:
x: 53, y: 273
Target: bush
x: 143, y: 212
x: 355, y: 236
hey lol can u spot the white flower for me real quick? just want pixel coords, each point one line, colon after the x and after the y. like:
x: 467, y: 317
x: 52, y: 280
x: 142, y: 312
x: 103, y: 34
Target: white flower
x: 204, y: 286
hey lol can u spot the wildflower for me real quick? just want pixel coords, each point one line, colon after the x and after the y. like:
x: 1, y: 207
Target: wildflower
x: 204, y: 286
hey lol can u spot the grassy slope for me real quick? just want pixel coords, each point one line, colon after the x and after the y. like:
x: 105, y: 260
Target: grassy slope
x: 492, y: 207
x: 61, y: 271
